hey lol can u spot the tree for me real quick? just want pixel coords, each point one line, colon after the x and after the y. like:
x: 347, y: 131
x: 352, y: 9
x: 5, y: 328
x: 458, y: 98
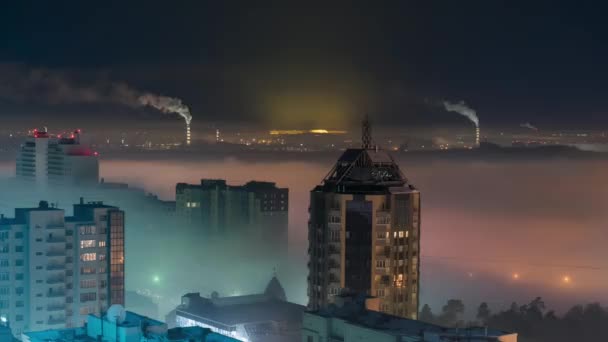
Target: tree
x: 451, y: 312
x: 483, y: 313
x: 426, y: 315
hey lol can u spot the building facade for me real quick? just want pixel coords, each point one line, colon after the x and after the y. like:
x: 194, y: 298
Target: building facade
x: 57, y: 160
x: 353, y: 319
x: 55, y: 270
x: 364, y: 232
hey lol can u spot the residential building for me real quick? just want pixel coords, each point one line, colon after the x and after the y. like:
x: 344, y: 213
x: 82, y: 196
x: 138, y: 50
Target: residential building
x: 48, y: 159
x: 125, y: 327
x: 364, y: 232
x: 55, y: 270
x: 256, y: 209
x: 264, y: 317
x: 355, y: 318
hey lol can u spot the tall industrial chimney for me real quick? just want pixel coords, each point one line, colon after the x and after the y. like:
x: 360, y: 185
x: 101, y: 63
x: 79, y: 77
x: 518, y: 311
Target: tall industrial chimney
x: 187, y: 133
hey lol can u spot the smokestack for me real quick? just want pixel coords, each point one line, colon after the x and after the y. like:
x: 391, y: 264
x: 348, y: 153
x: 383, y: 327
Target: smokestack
x: 464, y: 110
x: 187, y: 134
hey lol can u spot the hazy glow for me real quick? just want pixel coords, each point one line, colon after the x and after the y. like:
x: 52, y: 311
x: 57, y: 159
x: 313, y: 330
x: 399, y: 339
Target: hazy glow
x: 311, y: 131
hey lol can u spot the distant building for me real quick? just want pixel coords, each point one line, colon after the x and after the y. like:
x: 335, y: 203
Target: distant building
x: 265, y: 317
x: 354, y: 319
x: 57, y: 160
x: 257, y: 209
x: 131, y: 327
x: 364, y: 232
x: 55, y: 270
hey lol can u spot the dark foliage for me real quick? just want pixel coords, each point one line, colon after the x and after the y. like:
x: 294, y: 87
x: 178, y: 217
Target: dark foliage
x: 532, y: 321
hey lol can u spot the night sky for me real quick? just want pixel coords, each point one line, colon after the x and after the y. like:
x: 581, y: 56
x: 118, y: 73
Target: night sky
x: 283, y: 64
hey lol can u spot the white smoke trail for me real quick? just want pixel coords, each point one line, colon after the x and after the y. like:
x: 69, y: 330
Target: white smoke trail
x: 528, y: 125
x: 20, y: 83
x: 166, y: 105
x: 462, y: 109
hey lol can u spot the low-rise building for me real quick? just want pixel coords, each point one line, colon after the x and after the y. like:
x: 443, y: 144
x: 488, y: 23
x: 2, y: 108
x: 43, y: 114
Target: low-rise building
x: 354, y: 318
x: 126, y: 326
x: 266, y: 317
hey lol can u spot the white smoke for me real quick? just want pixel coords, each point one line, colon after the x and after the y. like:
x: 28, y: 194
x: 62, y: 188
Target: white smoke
x: 462, y: 109
x: 20, y: 83
x: 528, y: 125
x: 166, y: 105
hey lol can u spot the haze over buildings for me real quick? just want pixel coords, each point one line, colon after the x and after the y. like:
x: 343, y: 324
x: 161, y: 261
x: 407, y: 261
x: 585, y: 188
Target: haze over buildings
x: 44, y: 159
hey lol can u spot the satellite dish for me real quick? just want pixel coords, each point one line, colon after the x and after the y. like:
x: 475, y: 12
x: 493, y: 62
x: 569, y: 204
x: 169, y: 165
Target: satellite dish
x: 116, y: 314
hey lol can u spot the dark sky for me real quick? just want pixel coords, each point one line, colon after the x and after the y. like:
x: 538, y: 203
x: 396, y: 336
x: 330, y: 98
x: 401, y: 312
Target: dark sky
x: 287, y: 64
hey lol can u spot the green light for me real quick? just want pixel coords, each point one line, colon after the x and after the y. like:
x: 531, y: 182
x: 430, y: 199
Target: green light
x: 156, y: 279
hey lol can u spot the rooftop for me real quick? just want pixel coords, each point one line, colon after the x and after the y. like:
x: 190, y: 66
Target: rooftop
x: 364, y: 170
x: 353, y: 311
x: 229, y: 311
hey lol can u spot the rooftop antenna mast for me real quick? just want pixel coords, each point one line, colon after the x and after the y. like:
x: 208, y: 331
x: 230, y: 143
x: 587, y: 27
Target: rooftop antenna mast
x: 366, y: 133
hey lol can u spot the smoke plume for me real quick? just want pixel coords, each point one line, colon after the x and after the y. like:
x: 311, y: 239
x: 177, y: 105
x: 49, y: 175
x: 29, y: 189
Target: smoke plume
x: 528, y: 125
x: 462, y: 109
x: 19, y: 83
x: 166, y: 105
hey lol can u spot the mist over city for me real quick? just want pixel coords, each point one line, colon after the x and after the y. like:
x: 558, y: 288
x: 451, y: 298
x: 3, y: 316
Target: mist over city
x: 314, y: 172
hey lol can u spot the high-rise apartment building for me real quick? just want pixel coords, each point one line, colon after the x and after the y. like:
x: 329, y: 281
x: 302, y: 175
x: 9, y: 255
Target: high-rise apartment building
x: 55, y: 270
x: 364, y: 232
x: 57, y: 160
x: 256, y: 208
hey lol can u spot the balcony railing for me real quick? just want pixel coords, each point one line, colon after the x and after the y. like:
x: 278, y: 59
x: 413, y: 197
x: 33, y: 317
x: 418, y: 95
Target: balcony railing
x: 55, y: 320
x: 55, y: 239
x: 55, y: 280
x: 55, y: 307
x: 55, y: 253
x: 55, y: 267
x: 55, y: 293
x: 55, y: 226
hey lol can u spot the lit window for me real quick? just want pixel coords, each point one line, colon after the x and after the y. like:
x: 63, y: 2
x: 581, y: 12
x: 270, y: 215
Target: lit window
x: 101, y: 244
x: 88, y: 256
x: 87, y: 243
x: 401, y: 233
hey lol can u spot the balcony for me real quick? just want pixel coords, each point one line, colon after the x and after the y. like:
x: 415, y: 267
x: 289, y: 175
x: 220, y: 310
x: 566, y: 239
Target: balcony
x: 333, y: 250
x: 55, y: 307
x: 55, y: 320
x: 55, y: 293
x: 55, y: 280
x: 55, y: 226
x: 55, y: 239
x: 55, y: 267
x: 55, y: 252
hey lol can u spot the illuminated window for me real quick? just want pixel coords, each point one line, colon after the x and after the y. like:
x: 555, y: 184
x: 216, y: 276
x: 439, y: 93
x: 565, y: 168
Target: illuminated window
x: 102, y: 257
x: 401, y: 233
x: 87, y: 243
x: 88, y: 256
x: 380, y: 293
x: 382, y: 235
x: 101, y: 244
